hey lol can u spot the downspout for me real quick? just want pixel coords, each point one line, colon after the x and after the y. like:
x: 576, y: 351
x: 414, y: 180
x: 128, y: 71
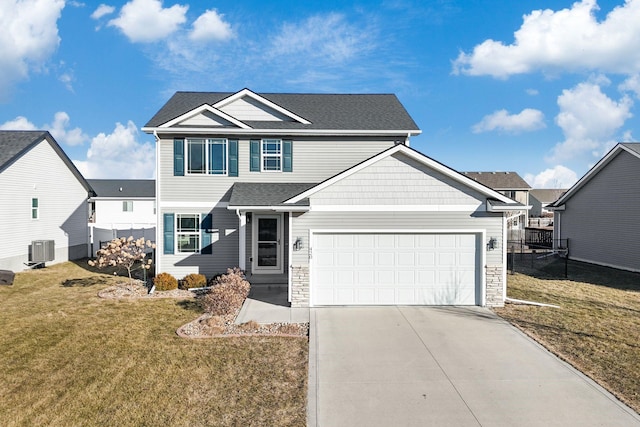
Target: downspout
x: 159, y: 222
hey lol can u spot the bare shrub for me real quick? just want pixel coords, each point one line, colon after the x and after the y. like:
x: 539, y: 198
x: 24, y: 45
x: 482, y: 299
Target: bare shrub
x: 165, y: 282
x: 250, y: 326
x: 193, y: 280
x: 227, y: 294
x: 124, y: 253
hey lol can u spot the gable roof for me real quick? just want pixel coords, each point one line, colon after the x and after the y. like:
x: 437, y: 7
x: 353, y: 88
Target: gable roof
x: 632, y: 148
x: 123, y: 188
x: 307, y: 112
x: 499, y: 180
x: 16, y: 143
x: 503, y: 201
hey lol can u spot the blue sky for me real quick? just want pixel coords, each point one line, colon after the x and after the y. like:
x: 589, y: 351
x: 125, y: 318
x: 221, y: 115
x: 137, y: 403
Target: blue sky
x: 542, y: 88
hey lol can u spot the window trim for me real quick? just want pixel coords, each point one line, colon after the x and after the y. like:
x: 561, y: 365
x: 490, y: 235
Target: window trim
x: 178, y: 233
x: 126, y: 204
x: 264, y: 156
x: 207, y: 167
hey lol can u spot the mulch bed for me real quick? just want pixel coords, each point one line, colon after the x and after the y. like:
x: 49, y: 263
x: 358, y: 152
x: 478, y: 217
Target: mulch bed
x: 206, y: 326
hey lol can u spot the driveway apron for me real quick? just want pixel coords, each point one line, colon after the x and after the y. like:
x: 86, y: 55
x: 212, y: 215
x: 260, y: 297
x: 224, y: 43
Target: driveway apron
x: 451, y: 366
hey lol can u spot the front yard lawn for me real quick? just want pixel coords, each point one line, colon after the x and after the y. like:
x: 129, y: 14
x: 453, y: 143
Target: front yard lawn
x: 597, y: 328
x: 68, y: 358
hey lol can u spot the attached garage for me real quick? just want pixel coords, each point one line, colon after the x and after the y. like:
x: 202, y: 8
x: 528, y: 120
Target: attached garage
x: 396, y: 268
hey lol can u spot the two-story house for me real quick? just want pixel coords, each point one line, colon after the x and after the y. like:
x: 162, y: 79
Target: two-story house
x: 43, y: 202
x: 121, y: 208
x: 321, y: 192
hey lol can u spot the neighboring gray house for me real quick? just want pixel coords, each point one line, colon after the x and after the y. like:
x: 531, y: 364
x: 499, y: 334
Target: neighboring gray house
x: 121, y: 208
x: 43, y: 198
x: 541, y: 198
x: 321, y: 192
x: 513, y: 186
x: 599, y: 214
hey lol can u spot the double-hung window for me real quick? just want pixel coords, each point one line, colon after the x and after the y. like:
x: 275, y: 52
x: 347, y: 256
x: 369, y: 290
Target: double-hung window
x: 207, y: 156
x: 272, y: 155
x: 35, y: 214
x: 188, y: 233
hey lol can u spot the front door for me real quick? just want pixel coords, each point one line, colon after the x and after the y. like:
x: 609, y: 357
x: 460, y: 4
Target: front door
x: 267, y: 247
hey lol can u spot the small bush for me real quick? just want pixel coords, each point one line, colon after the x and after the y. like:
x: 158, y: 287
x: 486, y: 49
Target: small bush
x: 227, y: 294
x: 165, y: 282
x: 193, y: 280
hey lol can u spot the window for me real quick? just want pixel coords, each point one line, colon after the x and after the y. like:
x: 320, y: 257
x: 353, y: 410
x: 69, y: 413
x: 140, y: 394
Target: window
x: 35, y: 214
x: 188, y: 232
x: 207, y: 156
x: 271, y: 155
x: 127, y: 206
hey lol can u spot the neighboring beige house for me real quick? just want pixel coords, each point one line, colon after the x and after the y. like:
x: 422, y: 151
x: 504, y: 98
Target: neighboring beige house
x: 322, y: 193
x: 513, y: 186
x: 597, y: 218
x: 121, y: 208
x: 541, y: 198
x: 43, y: 202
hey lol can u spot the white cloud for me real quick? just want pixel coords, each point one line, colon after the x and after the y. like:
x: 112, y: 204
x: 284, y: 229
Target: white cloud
x: 556, y: 177
x: 532, y: 92
x: 58, y: 128
x: 210, y: 26
x: 146, y: 21
x: 327, y: 36
x: 525, y: 121
x: 589, y: 119
x: 28, y: 38
x: 567, y: 39
x: 102, y: 10
x: 119, y: 155
x: 631, y: 84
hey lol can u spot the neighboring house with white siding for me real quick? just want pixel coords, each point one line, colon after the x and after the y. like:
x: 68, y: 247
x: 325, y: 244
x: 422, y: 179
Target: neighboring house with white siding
x: 322, y: 193
x: 541, y: 198
x: 121, y: 208
x: 43, y: 198
x: 599, y: 214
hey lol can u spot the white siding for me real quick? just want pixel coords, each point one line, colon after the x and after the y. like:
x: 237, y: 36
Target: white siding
x: 63, y: 211
x: 247, y: 109
x: 205, y: 118
x: 397, y: 180
x: 109, y: 213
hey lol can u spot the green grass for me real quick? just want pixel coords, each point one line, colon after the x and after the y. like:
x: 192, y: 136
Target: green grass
x: 597, y: 328
x: 69, y: 358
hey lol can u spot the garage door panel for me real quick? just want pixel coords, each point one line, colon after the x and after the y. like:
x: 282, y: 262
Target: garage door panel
x: 395, y: 268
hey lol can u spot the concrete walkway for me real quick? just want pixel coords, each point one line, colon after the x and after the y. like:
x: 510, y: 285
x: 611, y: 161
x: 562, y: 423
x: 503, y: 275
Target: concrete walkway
x: 428, y: 366
x: 268, y: 304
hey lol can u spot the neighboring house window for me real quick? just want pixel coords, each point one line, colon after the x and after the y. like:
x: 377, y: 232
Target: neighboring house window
x: 510, y: 193
x: 272, y: 155
x: 207, y: 156
x: 188, y: 232
x: 35, y: 213
x: 127, y: 206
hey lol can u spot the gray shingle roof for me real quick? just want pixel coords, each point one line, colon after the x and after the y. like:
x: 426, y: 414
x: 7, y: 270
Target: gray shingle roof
x: 266, y: 194
x: 123, y: 188
x: 499, y: 180
x: 634, y: 146
x: 547, y: 195
x: 324, y: 111
x: 15, y: 143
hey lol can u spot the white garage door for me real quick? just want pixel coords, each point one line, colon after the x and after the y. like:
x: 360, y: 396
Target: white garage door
x: 390, y: 269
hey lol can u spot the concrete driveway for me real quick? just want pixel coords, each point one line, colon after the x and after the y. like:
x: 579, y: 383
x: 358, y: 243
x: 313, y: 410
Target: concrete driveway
x: 426, y: 366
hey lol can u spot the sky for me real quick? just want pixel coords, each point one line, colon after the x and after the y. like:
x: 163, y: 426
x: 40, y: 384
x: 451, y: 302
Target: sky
x: 541, y: 88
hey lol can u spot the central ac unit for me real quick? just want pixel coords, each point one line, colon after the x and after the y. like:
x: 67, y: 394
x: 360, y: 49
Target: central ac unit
x: 42, y: 251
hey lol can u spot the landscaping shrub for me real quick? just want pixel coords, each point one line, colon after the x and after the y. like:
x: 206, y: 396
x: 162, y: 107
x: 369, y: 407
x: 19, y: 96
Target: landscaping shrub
x: 165, y: 282
x: 193, y: 280
x: 227, y: 294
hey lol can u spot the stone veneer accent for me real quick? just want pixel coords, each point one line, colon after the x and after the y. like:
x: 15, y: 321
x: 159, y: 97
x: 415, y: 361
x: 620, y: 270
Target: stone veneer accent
x: 494, y: 285
x: 299, y: 286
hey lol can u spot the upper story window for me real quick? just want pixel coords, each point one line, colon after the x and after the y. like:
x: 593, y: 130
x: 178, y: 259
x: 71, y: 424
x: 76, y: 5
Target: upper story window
x: 127, y: 206
x: 272, y: 155
x: 35, y: 211
x: 207, y: 156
